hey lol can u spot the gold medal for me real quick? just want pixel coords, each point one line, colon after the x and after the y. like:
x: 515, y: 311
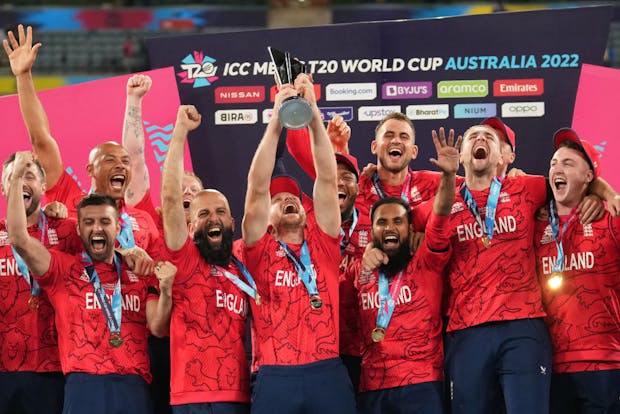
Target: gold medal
x: 486, y: 241
x: 555, y: 280
x: 257, y: 299
x: 316, y: 302
x: 116, y: 340
x: 33, y: 303
x: 377, y: 334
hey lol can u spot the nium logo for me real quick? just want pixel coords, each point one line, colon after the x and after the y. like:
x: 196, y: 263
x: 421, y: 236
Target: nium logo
x: 523, y: 109
x: 407, y: 90
x: 198, y: 69
x: 239, y: 94
x: 350, y: 91
x: 474, y: 110
x: 428, y: 111
x: 236, y: 116
x: 346, y: 112
x: 463, y: 89
x: 375, y: 113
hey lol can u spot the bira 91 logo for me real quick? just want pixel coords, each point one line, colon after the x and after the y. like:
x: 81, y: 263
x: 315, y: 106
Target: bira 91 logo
x: 198, y: 69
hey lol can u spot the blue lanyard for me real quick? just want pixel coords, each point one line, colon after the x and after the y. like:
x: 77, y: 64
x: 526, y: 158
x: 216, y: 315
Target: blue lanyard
x: 303, y: 266
x: 35, y: 289
x: 489, y: 221
x: 125, y: 237
x: 250, y: 289
x: 113, y: 311
x: 387, y: 296
x: 344, y: 239
x: 381, y: 193
x: 554, y: 222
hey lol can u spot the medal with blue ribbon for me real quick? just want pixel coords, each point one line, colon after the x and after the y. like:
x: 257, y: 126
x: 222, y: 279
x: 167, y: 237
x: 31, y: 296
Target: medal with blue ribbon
x: 344, y: 238
x: 112, y: 310
x: 488, y: 225
x: 387, y: 304
x: 303, y: 266
x: 381, y: 192
x: 555, y: 279
x: 35, y: 289
x: 250, y: 287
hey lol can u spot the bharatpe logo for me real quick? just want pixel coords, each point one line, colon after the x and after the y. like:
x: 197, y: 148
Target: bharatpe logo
x: 428, y: 111
x: 198, y: 69
x: 463, y: 89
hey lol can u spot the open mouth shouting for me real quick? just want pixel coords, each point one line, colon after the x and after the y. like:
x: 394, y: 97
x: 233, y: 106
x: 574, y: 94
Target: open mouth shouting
x: 391, y: 241
x: 98, y: 244
x: 395, y: 154
x: 117, y: 182
x: 480, y: 152
x: 559, y: 183
x: 290, y: 208
x: 214, y: 233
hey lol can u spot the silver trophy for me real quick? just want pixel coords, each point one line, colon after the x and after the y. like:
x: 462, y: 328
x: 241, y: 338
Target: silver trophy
x: 294, y: 112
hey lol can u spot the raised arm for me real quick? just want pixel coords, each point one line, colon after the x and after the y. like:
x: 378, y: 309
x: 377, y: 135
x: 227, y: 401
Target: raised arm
x: 22, y: 55
x: 34, y: 253
x: 448, y: 162
x: 173, y: 214
x: 257, y: 200
x: 133, y: 138
x: 158, y: 312
x: 325, y: 194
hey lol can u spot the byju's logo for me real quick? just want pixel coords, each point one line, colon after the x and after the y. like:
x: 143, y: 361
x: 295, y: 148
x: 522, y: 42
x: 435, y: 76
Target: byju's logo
x: 198, y: 69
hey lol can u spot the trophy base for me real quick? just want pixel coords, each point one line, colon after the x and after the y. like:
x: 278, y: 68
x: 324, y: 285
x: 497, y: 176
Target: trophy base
x: 295, y: 113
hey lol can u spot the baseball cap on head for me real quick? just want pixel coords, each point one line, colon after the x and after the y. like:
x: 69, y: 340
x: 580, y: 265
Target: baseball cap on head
x: 284, y: 184
x: 591, y: 154
x: 349, y: 161
x: 496, y: 123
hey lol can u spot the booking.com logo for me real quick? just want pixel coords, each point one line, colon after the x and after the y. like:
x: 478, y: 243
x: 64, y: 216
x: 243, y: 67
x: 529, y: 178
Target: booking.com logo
x: 198, y: 69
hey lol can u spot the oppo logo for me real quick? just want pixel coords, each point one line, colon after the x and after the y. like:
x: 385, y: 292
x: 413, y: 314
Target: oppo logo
x: 523, y: 109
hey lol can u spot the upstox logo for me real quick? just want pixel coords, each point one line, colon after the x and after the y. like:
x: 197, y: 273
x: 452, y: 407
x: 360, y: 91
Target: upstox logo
x: 198, y: 69
x: 463, y: 89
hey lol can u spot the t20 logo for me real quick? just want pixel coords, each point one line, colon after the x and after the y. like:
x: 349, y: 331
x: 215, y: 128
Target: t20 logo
x: 198, y: 69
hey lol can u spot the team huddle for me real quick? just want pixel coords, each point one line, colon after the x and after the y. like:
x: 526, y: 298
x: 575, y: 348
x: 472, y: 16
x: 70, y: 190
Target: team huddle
x: 387, y: 290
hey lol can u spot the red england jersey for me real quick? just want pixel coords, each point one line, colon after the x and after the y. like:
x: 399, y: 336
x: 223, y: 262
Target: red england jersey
x: 412, y: 351
x: 28, y: 338
x: 496, y: 283
x: 146, y: 204
x: 355, y: 244
x: 83, y: 333
x: 583, y: 314
x: 145, y: 232
x: 286, y: 329
x: 207, y: 332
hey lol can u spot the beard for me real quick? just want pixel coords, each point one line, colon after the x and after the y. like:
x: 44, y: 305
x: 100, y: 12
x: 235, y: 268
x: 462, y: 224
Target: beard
x: 34, y: 205
x: 398, y: 259
x: 219, y: 255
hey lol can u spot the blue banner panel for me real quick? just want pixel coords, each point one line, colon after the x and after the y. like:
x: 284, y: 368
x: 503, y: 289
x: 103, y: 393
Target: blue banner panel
x: 450, y: 72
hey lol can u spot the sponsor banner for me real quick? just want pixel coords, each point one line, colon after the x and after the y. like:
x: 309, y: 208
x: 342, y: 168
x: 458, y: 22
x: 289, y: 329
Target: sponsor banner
x: 596, y: 113
x: 375, y: 113
x: 463, y: 89
x: 418, y: 112
x: 523, y: 109
x: 239, y: 94
x: 267, y: 115
x: 84, y: 115
x: 273, y: 90
x: 518, y: 87
x: 407, y: 90
x: 346, y: 112
x: 366, y: 68
x: 479, y: 111
x: 236, y: 116
x: 350, y: 91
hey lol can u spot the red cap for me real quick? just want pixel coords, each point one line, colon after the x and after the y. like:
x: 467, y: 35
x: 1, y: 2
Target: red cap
x: 350, y: 161
x: 497, y: 123
x: 592, y: 155
x: 284, y: 184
